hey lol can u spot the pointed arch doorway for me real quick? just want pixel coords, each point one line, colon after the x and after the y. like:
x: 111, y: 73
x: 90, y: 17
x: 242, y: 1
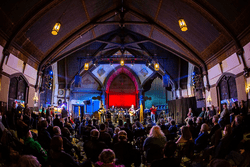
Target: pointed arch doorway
x: 122, y: 89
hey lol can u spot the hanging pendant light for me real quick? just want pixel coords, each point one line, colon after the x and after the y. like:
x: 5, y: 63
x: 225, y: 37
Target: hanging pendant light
x: 122, y: 62
x: 86, y: 66
x: 183, y: 24
x: 56, y: 28
x: 157, y: 66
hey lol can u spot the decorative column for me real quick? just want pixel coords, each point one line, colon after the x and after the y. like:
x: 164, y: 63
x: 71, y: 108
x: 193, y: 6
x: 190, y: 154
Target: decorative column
x: 189, y: 82
x: 103, y: 98
x: 55, y: 84
x: 38, y: 86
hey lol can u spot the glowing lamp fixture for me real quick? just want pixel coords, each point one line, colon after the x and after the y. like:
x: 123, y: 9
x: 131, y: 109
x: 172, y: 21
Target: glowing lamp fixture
x: 56, y: 28
x: 209, y: 99
x: 35, y: 98
x: 157, y: 66
x: 248, y: 89
x: 183, y: 25
x: 86, y: 66
x: 122, y: 62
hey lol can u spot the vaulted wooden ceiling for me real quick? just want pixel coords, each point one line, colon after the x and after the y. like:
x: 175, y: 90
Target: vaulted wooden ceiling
x: 215, y: 28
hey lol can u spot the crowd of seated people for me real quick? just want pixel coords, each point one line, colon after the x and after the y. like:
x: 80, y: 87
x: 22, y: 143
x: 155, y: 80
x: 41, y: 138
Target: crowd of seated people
x: 48, y: 140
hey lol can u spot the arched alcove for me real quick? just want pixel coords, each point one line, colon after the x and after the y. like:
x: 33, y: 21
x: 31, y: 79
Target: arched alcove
x: 226, y: 89
x: 122, y: 88
x: 122, y: 92
x: 18, y: 90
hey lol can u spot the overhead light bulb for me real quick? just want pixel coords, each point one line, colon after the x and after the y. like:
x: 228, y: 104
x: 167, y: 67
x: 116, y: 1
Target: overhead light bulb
x: 156, y: 66
x: 86, y: 66
x: 183, y: 25
x: 122, y: 62
x: 56, y: 28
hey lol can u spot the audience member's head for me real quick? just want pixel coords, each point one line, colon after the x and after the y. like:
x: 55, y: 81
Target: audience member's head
x: 89, y: 122
x: 122, y: 135
x: 215, y: 119
x: 28, y: 161
x: 199, y: 120
x: 238, y: 120
x: 120, y: 123
x: 107, y: 156
x: 65, y: 132
x: 204, y: 127
x: 44, y: 124
x: 56, y: 143
x: 102, y: 127
x: 94, y: 134
x: 185, y: 133
x: 56, y: 130
x: 225, y: 105
x: 162, y: 121
x: 227, y: 130
x: 156, y: 132
x: 190, y: 122
x: 27, y: 133
x: 169, y: 149
x: 138, y: 124
x: 117, y: 129
x: 172, y: 122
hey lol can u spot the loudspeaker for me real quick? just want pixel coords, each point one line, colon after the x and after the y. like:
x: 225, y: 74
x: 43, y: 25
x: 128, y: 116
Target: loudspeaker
x: 77, y: 81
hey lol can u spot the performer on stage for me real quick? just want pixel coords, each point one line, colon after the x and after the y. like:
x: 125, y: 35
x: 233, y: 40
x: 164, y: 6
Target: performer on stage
x: 153, y: 111
x: 131, y: 112
x: 112, y: 111
x: 162, y: 115
x: 101, y: 113
x: 121, y: 114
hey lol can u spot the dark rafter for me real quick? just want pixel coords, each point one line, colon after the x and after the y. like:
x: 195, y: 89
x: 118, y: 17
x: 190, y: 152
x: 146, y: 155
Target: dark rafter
x: 85, y: 28
x: 208, y: 14
x: 79, y: 47
x: 184, y: 57
x: 30, y: 18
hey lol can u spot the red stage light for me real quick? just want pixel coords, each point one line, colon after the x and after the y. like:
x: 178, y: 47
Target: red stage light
x: 123, y: 100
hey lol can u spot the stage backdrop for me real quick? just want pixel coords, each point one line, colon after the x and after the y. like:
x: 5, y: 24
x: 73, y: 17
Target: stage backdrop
x: 122, y: 92
x: 178, y: 109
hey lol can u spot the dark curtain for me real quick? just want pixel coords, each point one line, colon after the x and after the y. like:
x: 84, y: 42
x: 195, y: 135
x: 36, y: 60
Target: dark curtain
x: 178, y: 109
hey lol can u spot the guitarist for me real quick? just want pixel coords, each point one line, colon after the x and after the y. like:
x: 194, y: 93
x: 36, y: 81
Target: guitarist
x: 101, y: 113
x: 131, y: 112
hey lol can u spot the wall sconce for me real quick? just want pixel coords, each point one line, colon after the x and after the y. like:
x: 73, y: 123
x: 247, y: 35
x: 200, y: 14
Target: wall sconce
x: 209, y: 99
x: 86, y: 66
x: 247, y: 89
x: 35, y: 98
x: 56, y: 28
x: 157, y: 66
x: 183, y: 25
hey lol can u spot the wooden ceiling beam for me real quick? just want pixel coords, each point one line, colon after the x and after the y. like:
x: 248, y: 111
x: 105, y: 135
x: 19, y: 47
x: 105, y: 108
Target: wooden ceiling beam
x: 85, y: 28
x: 184, y: 57
x: 214, y: 19
x: 75, y: 49
x: 30, y: 18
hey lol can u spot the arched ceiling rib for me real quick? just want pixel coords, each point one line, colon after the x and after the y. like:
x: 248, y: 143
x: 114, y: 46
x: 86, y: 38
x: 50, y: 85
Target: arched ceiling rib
x: 212, y: 26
